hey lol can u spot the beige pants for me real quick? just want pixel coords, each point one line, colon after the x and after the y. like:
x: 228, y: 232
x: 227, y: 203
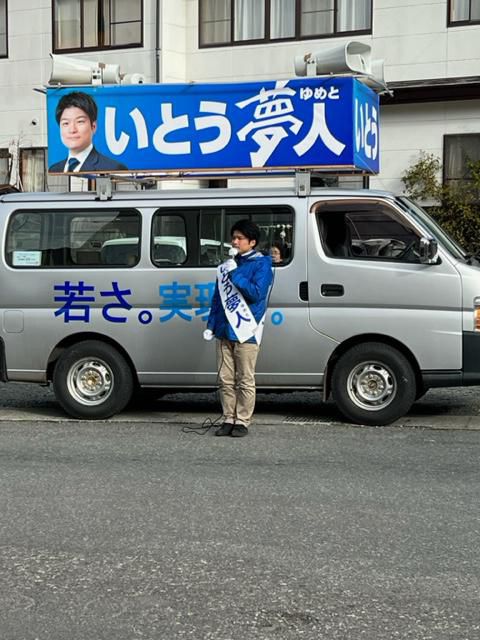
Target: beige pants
x: 236, y: 372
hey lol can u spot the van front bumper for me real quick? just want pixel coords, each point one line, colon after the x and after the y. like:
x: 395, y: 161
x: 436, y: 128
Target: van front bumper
x: 468, y: 376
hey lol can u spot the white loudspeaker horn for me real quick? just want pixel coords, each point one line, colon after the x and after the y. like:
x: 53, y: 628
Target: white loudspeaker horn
x: 72, y: 71
x: 376, y: 79
x: 133, y: 78
x: 351, y: 57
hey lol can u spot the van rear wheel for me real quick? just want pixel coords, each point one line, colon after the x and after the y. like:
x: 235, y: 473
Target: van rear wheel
x: 373, y: 384
x: 92, y: 380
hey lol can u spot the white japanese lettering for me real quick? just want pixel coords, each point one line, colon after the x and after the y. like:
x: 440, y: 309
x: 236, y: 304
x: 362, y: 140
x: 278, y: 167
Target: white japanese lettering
x: 319, y: 129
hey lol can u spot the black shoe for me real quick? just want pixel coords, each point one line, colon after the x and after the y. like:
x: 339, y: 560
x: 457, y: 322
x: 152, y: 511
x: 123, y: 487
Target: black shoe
x: 239, y: 431
x: 225, y: 429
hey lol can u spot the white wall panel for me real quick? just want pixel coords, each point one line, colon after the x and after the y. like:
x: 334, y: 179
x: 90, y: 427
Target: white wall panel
x: 409, y: 129
x: 406, y: 20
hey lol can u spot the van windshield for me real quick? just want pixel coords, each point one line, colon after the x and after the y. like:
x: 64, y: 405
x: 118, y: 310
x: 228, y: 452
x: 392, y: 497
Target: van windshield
x: 427, y: 221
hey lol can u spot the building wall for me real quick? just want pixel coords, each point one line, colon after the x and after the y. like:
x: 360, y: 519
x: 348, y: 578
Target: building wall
x: 407, y: 129
x: 411, y: 36
x: 413, y: 39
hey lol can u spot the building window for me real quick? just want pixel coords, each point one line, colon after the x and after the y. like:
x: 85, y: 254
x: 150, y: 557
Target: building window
x: 33, y: 169
x: 3, y: 29
x: 458, y: 154
x: 243, y: 21
x: 463, y: 12
x: 5, y: 165
x: 33, y: 172
x: 97, y: 24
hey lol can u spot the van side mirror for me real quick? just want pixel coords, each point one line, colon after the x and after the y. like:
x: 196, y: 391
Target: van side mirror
x: 428, y: 250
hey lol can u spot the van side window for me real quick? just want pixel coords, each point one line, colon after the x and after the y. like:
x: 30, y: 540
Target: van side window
x: 67, y: 239
x: 367, y: 231
x: 276, y: 232
x: 169, y: 240
x: 105, y: 239
x: 200, y: 236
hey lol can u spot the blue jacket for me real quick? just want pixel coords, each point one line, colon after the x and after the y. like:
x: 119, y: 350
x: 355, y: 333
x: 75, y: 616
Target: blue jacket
x: 252, y: 277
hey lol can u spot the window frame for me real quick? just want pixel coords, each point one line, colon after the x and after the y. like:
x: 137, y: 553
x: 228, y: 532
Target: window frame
x: 192, y: 217
x: 341, y: 208
x: 459, y: 23
x: 5, y: 55
x: 267, y: 39
x: 445, y: 180
x: 178, y: 212
x: 6, y: 155
x: 48, y: 221
x: 100, y: 47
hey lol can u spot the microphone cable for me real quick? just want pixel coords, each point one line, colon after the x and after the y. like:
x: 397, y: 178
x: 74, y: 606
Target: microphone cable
x: 208, y: 423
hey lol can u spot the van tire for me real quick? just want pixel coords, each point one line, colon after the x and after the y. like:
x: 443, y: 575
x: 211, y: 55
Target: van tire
x: 373, y: 384
x: 92, y: 380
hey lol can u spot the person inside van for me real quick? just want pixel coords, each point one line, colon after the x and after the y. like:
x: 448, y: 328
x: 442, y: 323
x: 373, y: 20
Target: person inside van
x: 77, y: 114
x: 278, y: 253
x: 236, y: 319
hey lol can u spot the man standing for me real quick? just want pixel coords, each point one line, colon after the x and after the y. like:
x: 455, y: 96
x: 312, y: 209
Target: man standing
x: 77, y: 114
x: 236, y: 319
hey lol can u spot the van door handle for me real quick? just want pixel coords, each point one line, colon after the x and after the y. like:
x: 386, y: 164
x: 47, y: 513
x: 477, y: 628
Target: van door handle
x: 332, y: 290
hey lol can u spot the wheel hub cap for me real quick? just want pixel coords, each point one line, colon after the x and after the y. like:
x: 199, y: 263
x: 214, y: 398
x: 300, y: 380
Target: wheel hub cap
x: 90, y: 381
x: 371, y: 386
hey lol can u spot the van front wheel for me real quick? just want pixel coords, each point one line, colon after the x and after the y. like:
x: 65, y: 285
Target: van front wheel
x: 373, y: 384
x: 92, y: 380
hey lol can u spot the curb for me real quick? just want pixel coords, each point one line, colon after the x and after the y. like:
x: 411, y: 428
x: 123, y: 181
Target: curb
x: 434, y: 422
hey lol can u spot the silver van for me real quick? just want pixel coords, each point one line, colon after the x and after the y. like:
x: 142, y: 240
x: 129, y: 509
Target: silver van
x: 372, y: 302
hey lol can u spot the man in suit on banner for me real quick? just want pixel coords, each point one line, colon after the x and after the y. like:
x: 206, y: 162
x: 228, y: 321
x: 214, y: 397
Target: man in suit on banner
x: 77, y: 114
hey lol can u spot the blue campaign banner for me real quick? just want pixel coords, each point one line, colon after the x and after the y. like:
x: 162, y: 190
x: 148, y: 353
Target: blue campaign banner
x: 326, y: 122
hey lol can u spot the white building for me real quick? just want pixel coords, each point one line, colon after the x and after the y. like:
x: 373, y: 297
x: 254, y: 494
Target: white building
x: 431, y: 50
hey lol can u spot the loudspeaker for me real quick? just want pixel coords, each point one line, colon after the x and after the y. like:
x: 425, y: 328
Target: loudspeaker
x: 376, y: 79
x: 350, y: 57
x: 71, y: 71
x: 133, y: 78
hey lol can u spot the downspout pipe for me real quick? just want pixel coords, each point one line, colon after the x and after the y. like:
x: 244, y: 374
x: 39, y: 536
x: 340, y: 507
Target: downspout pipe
x: 158, y: 40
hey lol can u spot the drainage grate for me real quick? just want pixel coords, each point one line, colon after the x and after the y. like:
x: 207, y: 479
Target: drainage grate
x: 305, y: 420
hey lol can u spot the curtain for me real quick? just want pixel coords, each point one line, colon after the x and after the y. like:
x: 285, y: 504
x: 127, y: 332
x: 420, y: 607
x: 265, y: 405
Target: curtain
x: 249, y: 19
x: 475, y: 10
x: 460, y: 9
x: 90, y: 23
x: 216, y: 21
x: 354, y: 15
x: 4, y: 166
x: 33, y: 169
x: 317, y: 17
x: 282, y: 18
x: 67, y: 24
x: 125, y: 21
x: 459, y: 151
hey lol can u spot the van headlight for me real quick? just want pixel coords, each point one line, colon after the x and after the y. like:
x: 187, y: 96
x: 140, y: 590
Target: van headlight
x: 476, y: 314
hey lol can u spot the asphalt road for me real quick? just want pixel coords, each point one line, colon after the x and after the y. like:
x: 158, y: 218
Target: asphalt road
x: 129, y: 529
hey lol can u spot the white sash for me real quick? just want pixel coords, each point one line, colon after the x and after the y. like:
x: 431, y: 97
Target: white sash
x: 237, y: 311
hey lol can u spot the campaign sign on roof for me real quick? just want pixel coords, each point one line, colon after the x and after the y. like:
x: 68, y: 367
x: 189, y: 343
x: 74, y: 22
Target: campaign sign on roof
x: 325, y: 122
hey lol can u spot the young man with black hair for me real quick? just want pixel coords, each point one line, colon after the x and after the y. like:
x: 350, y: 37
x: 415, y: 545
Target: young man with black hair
x: 77, y: 114
x: 236, y: 319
